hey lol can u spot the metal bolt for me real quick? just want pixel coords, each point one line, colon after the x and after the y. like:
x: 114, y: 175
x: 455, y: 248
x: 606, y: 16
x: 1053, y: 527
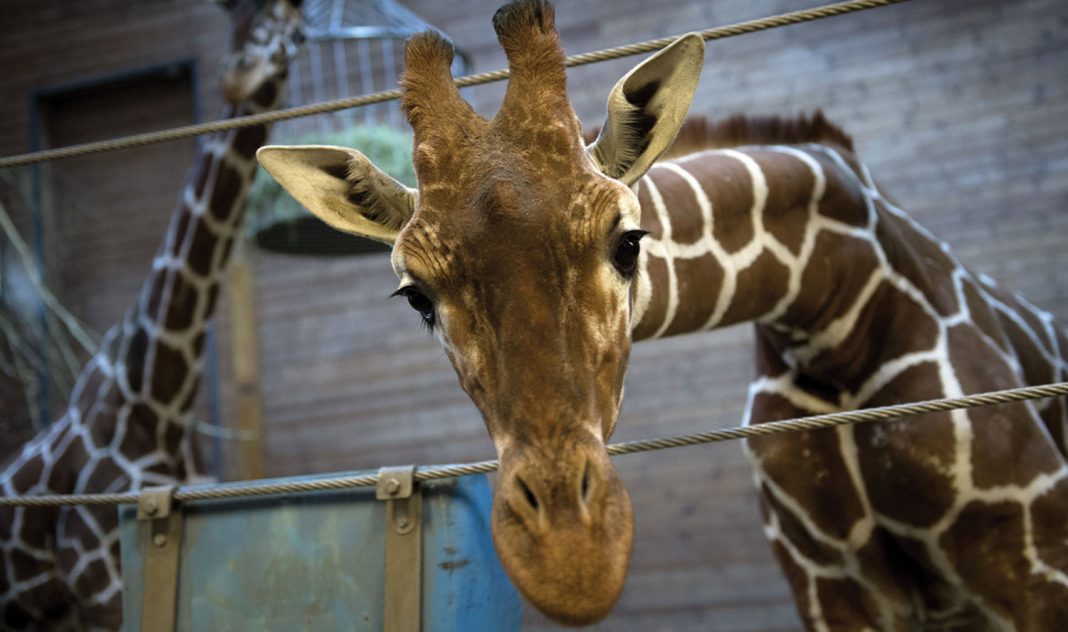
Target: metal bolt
x: 402, y: 522
x: 151, y: 507
x: 159, y: 539
x: 392, y: 486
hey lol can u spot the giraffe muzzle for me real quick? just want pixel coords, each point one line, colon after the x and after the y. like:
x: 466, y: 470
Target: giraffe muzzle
x: 563, y: 529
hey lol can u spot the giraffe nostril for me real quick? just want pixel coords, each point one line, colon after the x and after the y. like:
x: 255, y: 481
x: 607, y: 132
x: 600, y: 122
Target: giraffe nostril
x: 585, y: 486
x: 528, y: 495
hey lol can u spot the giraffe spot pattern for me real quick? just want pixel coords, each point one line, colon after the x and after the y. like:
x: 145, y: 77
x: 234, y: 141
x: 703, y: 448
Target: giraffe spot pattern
x: 792, y: 529
x: 182, y: 302
x: 871, y: 309
x: 807, y: 469
x: 919, y: 261
x: 839, y: 599
x: 201, y: 254
x: 134, y: 359
x: 772, y: 277
x: 77, y: 551
x: 228, y: 183
x: 907, y: 464
x: 171, y: 372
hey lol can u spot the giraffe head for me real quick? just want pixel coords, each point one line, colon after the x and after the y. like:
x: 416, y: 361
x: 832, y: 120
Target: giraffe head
x: 265, y: 40
x: 518, y: 250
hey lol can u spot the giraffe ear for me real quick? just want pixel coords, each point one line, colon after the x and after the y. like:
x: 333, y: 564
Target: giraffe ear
x: 343, y: 188
x: 646, y: 109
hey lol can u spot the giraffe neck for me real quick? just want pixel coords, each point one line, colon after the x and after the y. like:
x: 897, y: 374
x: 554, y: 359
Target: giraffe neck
x: 155, y: 353
x: 856, y: 305
x: 790, y: 238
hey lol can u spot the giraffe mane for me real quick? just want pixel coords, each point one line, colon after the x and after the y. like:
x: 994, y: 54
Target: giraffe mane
x: 699, y: 133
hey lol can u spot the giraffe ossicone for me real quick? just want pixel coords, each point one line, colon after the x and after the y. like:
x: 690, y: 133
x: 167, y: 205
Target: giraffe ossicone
x: 520, y: 249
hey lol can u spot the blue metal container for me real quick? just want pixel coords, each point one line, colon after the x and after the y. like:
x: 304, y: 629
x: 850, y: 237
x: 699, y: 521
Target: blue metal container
x: 315, y: 561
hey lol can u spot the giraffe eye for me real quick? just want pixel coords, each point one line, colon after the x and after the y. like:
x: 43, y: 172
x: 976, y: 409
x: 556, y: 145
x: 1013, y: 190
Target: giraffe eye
x: 419, y: 303
x: 626, y: 257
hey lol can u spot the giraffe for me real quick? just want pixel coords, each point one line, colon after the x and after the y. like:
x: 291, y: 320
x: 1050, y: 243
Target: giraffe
x: 127, y: 423
x: 536, y: 260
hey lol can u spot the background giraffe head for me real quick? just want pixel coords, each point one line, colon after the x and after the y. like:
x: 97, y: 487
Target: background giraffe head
x: 518, y: 251
x: 265, y: 39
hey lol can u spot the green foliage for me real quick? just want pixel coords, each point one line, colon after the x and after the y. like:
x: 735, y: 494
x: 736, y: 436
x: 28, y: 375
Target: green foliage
x: 390, y: 149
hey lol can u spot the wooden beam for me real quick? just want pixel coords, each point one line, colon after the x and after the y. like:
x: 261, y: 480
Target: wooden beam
x: 244, y: 333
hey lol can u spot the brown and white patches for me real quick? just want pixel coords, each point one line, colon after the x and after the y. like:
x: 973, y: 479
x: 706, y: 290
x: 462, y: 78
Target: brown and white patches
x: 1048, y: 524
x: 856, y: 347
x: 792, y: 202
x: 882, y: 313
x: 828, y: 289
x: 681, y: 234
x: 697, y: 280
x: 651, y: 309
x: 661, y: 247
x: 987, y: 323
x: 919, y: 261
x: 844, y: 204
x: 1009, y: 443
x: 907, y: 464
x: 807, y: 472
x: 764, y: 281
x: 987, y: 544
x: 800, y: 538
x: 119, y: 431
x: 725, y: 182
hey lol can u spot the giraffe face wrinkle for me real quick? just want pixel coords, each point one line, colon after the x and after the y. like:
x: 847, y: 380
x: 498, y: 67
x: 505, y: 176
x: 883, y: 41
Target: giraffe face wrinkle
x: 537, y: 328
x: 524, y: 256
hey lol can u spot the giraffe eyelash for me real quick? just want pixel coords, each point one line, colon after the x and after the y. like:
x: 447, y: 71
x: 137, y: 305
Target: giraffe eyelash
x: 420, y: 303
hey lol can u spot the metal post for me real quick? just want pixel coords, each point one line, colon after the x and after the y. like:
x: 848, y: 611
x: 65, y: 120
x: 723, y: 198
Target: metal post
x: 404, y: 548
x: 161, y: 536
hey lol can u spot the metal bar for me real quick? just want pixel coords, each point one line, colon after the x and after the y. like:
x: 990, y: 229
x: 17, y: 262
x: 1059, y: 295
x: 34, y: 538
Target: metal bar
x: 161, y: 535
x: 404, y: 548
x: 244, y: 332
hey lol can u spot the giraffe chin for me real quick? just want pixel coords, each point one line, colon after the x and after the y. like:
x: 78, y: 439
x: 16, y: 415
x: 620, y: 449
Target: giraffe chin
x: 566, y: 554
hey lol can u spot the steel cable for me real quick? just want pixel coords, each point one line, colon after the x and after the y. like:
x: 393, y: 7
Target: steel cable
x: 437, y: 472
x: 719, y: 32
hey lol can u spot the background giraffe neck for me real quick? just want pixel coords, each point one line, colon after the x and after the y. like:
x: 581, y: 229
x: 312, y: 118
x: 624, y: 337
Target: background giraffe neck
x: 729, y: 234
x: 845, y: 288
x: 156, y: 350
x: 785, y: 237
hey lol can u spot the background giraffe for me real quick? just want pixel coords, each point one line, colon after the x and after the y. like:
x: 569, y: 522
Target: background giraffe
x: 950, y: 520
x: 524, y: 259
x: 127, y: 424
